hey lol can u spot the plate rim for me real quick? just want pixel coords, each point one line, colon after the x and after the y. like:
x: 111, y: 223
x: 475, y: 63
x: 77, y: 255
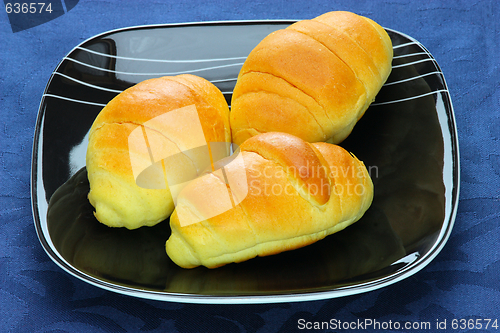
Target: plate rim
x: 342, y: 291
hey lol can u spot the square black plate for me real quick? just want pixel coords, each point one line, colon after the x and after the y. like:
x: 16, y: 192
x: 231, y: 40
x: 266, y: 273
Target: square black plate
x: 407, y: 139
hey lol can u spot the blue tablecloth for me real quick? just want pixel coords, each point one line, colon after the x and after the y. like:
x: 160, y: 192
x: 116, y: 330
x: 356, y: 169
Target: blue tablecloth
x: 461, y: 283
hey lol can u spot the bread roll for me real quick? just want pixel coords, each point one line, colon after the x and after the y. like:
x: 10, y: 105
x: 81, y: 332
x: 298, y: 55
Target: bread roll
x: 292, y: 193
x: 153, y: 133
x: 314, y: 79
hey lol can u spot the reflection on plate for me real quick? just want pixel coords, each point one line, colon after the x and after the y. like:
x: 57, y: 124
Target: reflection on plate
x: 407, y: 140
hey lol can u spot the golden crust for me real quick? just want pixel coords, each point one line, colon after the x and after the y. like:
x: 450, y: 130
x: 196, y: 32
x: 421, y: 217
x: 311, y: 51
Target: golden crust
x: 275, y: 215
x: 118, y: 200
x: 300, y: 160
x: 314, y: 79
x: 367, y: 34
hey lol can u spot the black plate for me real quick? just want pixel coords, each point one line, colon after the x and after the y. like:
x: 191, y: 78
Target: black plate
x: 407, y: 139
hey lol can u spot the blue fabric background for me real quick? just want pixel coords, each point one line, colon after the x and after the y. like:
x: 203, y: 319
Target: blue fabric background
x: 461, y: 283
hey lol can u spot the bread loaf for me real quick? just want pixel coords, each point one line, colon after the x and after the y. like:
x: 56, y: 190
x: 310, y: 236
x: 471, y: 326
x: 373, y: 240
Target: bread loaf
x: 151, y: 134
x: 314, y: 79
x: 290, y: 194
